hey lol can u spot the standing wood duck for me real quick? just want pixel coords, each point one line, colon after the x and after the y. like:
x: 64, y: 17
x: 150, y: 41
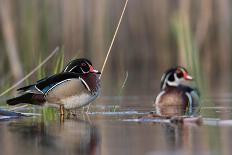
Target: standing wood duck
x: 76, y: 86
x: 174, y: 92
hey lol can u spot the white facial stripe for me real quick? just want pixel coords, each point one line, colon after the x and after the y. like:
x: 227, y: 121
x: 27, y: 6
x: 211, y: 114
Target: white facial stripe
x: 87, y: 63
x: 71, y: 69
x: 177, y: 80
x: 66, y: 68
x: 86, y: 85
x: 165, y: 81
x: 83, y: 70
x: 174, y: 83
x: 175, y: 76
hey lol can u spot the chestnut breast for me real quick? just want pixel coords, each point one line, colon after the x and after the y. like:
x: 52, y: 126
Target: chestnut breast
x: 173, y: 96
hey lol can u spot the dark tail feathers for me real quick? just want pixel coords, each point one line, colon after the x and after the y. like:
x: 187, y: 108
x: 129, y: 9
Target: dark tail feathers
x: 30, y: 98
x: 24, y: 88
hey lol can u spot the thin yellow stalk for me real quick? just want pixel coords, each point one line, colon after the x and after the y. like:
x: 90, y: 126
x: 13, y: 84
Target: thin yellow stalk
x: 111, y: 44
x: 115, y: 34
x: 124, y: 82
x: 29, y: 74
x: 62, y: 61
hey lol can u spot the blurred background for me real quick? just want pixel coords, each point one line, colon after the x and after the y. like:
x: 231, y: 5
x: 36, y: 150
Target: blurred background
x: 154, y: 35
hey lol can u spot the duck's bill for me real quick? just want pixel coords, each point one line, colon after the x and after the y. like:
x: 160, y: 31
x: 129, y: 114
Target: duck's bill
x: 188, y: 77
x: 96, y: 71
x: 92, y: 70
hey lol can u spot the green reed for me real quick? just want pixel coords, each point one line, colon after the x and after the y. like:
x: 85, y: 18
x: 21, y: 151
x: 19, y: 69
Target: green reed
x: 41, y: 70
x: 188, y: 52
x: 59, y: 64
x: 50, y: 113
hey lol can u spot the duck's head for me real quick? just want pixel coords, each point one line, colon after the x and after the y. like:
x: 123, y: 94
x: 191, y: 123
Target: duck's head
x: 81, y: 66
x: 174, y: 77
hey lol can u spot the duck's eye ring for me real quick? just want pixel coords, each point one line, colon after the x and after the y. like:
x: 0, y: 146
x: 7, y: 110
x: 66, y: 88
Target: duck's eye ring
x: 83, y: 64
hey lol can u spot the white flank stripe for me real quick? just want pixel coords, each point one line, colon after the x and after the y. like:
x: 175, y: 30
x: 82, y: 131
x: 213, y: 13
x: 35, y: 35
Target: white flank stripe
x: 38, y: 89
x: 190, y: 102
x: 57, y: 85
x: 157, y: 100
x: 158, y: 97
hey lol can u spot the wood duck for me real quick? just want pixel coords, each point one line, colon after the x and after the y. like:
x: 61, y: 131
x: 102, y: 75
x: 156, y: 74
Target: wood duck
x: 175, y: 92
x: 75, y: 87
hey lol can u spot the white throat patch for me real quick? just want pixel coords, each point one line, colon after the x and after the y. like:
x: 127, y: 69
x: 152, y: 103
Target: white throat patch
x: 174, y: 83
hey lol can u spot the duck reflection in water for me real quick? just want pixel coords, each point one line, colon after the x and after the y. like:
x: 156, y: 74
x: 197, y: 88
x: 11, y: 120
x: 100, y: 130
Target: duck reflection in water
x: 69, y: 137
x: 178, y: 137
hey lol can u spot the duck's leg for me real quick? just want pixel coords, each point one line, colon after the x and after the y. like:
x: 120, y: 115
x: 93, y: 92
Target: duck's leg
x: 61, y: 113
x: 62, y: 109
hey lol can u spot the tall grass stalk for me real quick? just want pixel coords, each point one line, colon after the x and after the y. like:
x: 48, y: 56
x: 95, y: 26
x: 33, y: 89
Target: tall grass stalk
x: 123, y: 84
x: 115, y: 34
x: 49, y: 114
x: 121, y: 90
x: 32, y: 72
x: 41, y: 71
x: 111, y: 44
x: 188, y: 51
x: 59, y: 66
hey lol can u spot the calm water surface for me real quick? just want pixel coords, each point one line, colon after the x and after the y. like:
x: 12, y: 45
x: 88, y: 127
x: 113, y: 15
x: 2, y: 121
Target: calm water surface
x: 104, y: 131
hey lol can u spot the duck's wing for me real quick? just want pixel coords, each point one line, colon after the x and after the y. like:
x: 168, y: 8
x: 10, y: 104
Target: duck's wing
x: 193, y: 95
x: 31, y: 88
x: 45, y: 84
x: 64, y: 85
x: 190, y: 90
x: 50, y: 83
x: 36, y: 93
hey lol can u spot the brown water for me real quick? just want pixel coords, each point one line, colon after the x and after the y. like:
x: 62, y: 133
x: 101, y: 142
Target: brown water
x: 109, y: 130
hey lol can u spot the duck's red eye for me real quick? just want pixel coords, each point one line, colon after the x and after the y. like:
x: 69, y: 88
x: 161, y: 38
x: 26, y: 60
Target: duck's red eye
x: 83, y: 64
x: 178, y: 71
x: 180, y: 74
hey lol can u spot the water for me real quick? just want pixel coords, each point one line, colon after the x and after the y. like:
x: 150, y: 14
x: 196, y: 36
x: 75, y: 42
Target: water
x: 112, y: 127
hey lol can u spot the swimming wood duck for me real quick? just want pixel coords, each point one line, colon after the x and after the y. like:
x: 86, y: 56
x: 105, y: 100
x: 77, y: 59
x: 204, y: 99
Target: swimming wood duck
x: 75, y: 87
x: 174, y: 92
